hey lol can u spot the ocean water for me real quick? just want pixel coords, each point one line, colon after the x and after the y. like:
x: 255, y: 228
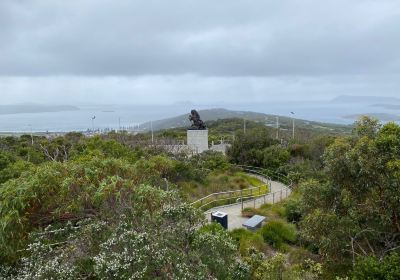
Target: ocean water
x: 107, y: 117
x: 111, y: 116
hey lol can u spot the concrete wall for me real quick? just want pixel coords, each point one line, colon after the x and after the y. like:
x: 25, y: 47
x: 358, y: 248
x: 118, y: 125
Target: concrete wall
x: 220, y: 148
x: 197, y: 140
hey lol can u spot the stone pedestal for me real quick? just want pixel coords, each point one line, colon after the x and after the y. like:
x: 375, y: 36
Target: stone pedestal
x: 197, y: 140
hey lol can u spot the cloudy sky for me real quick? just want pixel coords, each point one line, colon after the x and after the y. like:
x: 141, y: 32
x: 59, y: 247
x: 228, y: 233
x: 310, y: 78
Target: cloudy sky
x: 116, y: 51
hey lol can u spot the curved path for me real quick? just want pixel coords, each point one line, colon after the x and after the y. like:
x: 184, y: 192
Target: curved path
x: 278, y: 192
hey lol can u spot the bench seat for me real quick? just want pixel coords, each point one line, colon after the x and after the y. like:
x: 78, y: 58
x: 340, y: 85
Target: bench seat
x: 254, y: 222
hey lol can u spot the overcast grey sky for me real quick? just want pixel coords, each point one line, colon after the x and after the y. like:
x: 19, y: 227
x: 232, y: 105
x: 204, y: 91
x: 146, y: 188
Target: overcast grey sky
x: 204, y: 51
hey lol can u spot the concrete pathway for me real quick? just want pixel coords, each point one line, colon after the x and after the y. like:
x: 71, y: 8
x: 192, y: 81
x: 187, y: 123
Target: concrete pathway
x: 278, y: 192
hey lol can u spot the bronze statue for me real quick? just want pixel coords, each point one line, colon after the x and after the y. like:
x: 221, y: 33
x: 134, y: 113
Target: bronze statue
x: 197, y: 123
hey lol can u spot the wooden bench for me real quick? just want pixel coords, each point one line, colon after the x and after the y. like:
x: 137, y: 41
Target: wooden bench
x: 254, y: 222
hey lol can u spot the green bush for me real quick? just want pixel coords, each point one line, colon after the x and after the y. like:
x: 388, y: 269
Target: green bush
x: 59, y: 192
x: 249, y: 212
x: 293, y: 209
x: 369, y: 268
x: 274, y: 157
x: 247, y: 239
x: 277, y: 233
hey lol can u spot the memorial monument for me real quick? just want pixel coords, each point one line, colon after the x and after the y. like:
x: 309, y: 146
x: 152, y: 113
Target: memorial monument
x: 197, y: 134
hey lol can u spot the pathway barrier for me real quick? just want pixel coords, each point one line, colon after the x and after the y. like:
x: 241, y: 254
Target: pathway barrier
x: 250, y: 197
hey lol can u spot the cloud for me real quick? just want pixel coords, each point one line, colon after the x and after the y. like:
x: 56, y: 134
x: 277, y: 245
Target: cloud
x: 223, y: 38
x: 178, y: 49
x: 170, y: 89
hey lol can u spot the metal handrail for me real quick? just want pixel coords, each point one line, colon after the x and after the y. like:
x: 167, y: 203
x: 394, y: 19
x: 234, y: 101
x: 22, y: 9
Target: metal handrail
x: 254, y: 170
x: 227, y: 192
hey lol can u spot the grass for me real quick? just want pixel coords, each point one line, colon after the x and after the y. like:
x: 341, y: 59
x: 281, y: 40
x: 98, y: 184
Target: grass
x: 253, y: 181
x: 276, y: 210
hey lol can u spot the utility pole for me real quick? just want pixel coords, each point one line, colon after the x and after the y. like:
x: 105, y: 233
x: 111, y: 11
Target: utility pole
x: 277, y: 127
x: 152, y: 132
x: 293, y: 124
x: 30, y: 128
x: 93, y: 118
x: 244, y: 126
x: 119, y: 124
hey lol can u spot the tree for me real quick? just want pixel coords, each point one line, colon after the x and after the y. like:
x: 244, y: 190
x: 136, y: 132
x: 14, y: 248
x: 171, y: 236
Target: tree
x: 247, y: 147
x: 356, y: 213
x: 366, y: 126
x: 371, y: 268
x: 274, y: 157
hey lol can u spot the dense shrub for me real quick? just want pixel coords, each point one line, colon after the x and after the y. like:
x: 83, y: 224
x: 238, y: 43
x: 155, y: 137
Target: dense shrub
x: 247, y: 239
x: 369, y: 268
x: 155, y: 236
x: 276, y: 233
x: 293, y: 208
x: 274, y: 157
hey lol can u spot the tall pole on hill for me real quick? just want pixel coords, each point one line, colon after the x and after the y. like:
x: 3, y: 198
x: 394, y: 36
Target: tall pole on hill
x: 30, y: 127
x: 277, y: 127
x: 152, y: 132
x: 93, y: 118
x: 244, y: 126
x: 293, y: 124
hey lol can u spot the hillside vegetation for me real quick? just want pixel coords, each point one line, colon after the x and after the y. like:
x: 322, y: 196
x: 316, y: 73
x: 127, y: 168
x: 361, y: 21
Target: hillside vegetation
x: 117, y: 206
x: 211, y: 115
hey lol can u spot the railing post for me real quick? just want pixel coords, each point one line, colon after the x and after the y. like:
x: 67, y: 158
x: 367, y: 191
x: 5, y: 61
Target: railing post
x: 241, y: 198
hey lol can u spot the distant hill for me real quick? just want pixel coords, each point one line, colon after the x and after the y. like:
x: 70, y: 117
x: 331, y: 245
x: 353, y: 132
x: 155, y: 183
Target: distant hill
x: 34, y: 108
x: 365, y: 99
x: 268, y: 120
x: 380, y: 116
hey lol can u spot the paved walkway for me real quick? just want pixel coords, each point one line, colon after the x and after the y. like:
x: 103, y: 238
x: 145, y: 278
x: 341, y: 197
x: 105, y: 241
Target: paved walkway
x: 278, y: 192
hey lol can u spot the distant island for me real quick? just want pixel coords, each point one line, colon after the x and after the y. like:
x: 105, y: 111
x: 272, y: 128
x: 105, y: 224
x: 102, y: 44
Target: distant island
x: 365, y: 99
x: 388, y: 106
x: 34, y: 108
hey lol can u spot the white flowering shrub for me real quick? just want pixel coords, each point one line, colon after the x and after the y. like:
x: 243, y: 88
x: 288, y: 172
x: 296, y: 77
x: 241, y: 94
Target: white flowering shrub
x: 154, y: 236
x: 46, y: 263
x: 277, y: 267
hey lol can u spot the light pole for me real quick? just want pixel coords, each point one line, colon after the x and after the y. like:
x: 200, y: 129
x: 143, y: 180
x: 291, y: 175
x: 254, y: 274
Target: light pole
x: 93, y: 118
x: 292, y: 123
x: 30, y: 128
x: 152, y: 132
x: 277, y: 127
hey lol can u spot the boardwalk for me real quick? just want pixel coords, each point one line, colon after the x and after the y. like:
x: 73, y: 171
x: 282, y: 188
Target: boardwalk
x: 278, y: 192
